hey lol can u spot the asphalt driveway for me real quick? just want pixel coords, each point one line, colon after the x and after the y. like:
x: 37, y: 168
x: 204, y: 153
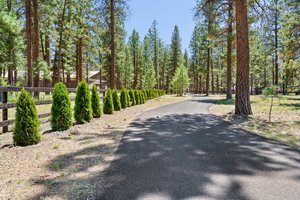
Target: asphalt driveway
x: 180, y: 151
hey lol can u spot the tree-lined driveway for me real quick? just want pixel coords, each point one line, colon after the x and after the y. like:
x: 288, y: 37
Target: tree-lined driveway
x: 180, y: 151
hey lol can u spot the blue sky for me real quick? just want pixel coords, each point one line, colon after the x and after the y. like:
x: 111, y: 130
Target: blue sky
x: 168, y: 13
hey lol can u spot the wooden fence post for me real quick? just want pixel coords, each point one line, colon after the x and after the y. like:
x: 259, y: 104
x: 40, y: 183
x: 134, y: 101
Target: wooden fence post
x: 4, y: 111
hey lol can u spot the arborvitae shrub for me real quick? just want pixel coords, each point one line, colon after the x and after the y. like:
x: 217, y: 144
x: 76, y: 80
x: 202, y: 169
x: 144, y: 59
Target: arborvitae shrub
x: 83, y: 105
x: 137, y: 98
x: 27, y: 128
x: 116, y: 100
x: 96, y: 104
x: 128, y: 98
x: 148, y: 94
x: 145, y: 95
x: 61, y: 112
x: 132, y: 97
x: 156, y: 93
x: 142, y: 96
x: 108, y: 105
x: 123, y: 98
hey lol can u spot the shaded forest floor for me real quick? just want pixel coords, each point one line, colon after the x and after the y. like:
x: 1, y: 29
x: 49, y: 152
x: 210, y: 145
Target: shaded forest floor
x: 58, y: 166
x: 285, y: 125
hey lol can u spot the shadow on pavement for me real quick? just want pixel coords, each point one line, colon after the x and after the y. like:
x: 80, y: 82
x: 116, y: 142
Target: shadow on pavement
x: 175, y: 158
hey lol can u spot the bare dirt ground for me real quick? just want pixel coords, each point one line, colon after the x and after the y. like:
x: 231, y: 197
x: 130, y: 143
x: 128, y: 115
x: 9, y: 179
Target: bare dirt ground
x: 63, y: 165
x: 285, y: 124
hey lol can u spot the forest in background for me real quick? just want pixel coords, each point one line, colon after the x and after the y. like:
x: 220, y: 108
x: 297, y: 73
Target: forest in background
x: 58, y: 38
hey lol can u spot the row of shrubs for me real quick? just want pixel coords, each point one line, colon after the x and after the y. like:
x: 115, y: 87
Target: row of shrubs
x: 114, y: 102
x: 87, y: 106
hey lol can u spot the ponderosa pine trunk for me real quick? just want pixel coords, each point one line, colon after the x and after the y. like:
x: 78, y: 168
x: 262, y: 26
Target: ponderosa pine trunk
x: 200, y: 84
x: 112, y: 82
x: 47, y: 54
x: 28, y: 42
x: 207, y: 71
x: 196, y: 83
x: 276, y: 44
x: 10, y: 51
x: 229, y: 50
x: 36, y: 44
x: 80, y: 77
x: 212, y: 77
x: 218, y: 84
x: 68, y: 82
x: 242, y: 103
x: 100, y: 78
x: 57, y: 78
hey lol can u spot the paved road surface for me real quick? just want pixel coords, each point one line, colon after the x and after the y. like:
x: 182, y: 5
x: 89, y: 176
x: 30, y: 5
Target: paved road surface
x: 182, y: 152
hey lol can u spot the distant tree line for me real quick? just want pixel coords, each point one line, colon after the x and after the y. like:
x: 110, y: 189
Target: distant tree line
x: 237, y: 45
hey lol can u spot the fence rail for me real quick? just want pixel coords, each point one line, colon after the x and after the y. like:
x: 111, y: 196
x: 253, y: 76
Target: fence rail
x: 5, y: 105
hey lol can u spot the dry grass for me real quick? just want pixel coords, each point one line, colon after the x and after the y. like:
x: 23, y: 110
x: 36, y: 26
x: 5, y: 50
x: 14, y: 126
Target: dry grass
x: 285, y: 125
x: 69, y: 164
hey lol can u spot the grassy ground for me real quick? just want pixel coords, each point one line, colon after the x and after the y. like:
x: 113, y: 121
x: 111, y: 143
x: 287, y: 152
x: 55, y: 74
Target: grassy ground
x: 285, y: 121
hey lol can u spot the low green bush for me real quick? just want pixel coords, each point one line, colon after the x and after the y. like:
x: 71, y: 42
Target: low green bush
x: 96, y: 103
x: 132, y: 97
x: 128, y: 98
x: 83, y: 105
x: 145, y: 95
x: 123, y: 98
x: 108, y: 105
x: 137, y: 97
x: 61, y: 112
x: 27, y: 127
x: 116, y: 100
x: 142, y: 96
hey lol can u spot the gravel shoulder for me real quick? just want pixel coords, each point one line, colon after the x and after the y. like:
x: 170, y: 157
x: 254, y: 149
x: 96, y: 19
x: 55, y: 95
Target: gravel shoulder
x: 57, y: 167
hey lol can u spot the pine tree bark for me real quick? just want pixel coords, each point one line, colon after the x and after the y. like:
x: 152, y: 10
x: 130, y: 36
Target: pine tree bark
x: 112, y: 82
x: 200, y: 84
x: 28, y: 42
x: 276, y: 44
x: 57, y: 78
x: 77, y: 63
x: 68, y: 79
x: 10, y: 51
x: 251, y: 85
x: 207, y: 71
x: 80, y: 60
x: 242, y: 104
x: 218, y: 84
x: 36, y: 44
x: 47, y: 54
x: 100, y: 78
x: 197, y: 83
x: 229, y: 50
x: 212, y: 77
